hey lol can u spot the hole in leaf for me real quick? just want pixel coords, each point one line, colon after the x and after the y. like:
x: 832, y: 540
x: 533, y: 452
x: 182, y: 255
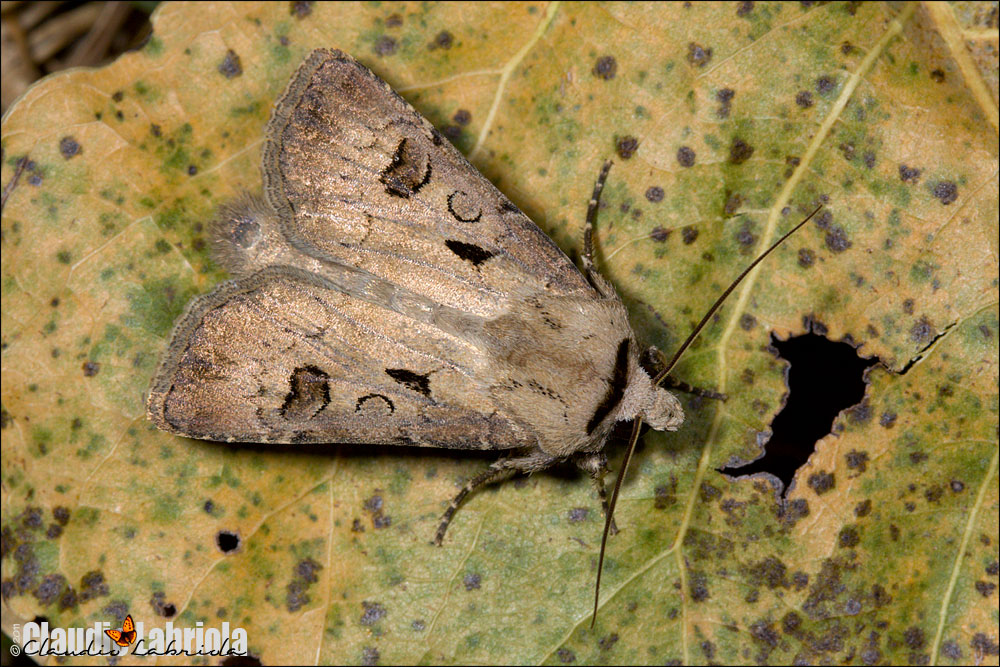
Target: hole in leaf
x: 824, y: 378
x: 241, y: 660
x: 228, y: 542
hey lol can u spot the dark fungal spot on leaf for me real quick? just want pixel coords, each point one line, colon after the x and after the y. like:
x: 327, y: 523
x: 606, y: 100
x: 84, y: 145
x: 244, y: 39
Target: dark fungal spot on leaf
x: 463, y: 117
x: 698, y: 586
x: 747, y: 321
x: 938, y: 75
x: 53, y: 531
x: 836, y: 239
x: 804, y: 99
x: 654, y: 194
x: 908, y: 174
x: 578, y: 514
x: 444, y: 40
x: 160, y: 605
x: 626, y: 146
x: 50, y: 589
x: 698, y: 55
x: 230, y: 67
x: 739, y: 151
x: 566, y: 656
x: 857, y: 460
x: 608, y: 641
x: 863, y: 509
x: 300, y: 8
x: 733, y: 203
x: 227, y: 541
x: 922, y: 330
x: 744, y: 7
x: 825, y: 84
x: 745, y: 237
x: 69, y: 147
x: 393, y: 21
x: 372, y: 613
x: 685, y: 156
x: 848, y: 537
x: 821, y: 482
x: 888, y: 419
x: 60, y: 514
x: 369, y: 656
x: 385, y: 45
x: 93, y: 585
x: 945, y: 191
x: 689, y: 234
x: 91, y: 368
x: 605, y: 68
x: 868, y: 158
x: 472, y: 581
x: 192, y: 170
x: 659, y: 234
x: 725, y: 98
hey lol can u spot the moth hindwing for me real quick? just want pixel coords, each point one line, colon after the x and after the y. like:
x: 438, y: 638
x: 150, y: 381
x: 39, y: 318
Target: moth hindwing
x: 385, y: 292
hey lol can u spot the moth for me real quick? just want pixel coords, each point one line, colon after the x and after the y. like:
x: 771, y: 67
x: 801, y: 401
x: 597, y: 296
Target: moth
x: 385, y: 292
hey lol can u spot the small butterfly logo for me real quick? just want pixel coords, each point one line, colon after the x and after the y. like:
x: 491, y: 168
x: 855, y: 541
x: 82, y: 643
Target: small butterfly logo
x: 126, y: 635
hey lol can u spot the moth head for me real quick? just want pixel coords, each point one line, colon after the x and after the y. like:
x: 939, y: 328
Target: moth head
x: 664, y: 412
x: 654, y: 404
x: 245, y: 235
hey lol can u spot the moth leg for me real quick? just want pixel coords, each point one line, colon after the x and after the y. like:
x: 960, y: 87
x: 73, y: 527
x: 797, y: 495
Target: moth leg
x: 596, y: 465
x: 497, y: 471
x: 596, y: 279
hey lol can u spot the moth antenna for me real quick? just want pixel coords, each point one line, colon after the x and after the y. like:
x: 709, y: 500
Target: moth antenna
x: 609, y: 516
x: 718, y: 302
x: 656, y: 381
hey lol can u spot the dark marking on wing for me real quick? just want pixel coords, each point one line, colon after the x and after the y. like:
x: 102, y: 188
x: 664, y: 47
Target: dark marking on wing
x: 616, y: 389
x: 414, y: 381
x: 436, y: 138
x: 309, y: 393
x: 461, y: 207
x: 409, y: 171
x: 469, y: 252
x: 363, y: 399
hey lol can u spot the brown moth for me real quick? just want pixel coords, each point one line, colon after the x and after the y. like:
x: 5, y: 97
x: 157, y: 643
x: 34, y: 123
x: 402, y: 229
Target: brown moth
x: 385, y: 292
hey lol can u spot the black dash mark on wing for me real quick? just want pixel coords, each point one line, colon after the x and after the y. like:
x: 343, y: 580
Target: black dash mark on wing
x: 309, y: 393
x: 363, y: 399
x: 616, y: 391
x: 415, y: 381
x: 469, y: 252
x: 458, y: 208
x: 409, y: 171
